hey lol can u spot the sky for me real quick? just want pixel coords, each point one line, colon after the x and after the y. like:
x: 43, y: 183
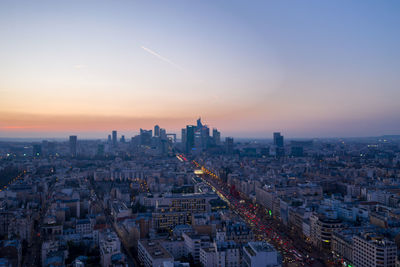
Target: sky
x: 248, y: 68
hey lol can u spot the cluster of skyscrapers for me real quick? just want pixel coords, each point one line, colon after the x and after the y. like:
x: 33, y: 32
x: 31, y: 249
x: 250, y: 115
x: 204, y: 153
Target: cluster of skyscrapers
x: 196, y: 138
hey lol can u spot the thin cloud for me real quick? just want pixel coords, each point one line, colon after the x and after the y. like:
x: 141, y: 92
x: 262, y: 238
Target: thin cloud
x: 162, y: 58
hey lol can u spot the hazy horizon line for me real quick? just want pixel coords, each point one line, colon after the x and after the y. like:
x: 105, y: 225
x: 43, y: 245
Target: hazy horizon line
x: 21, y: 139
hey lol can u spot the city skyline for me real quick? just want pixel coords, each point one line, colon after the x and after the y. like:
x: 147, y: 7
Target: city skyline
x: 86, y: 68
x: 128, y: 133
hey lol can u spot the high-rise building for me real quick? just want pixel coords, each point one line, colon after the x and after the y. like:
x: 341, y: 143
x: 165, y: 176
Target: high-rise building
x: 156, y: 130
x: 73, y: 145
x: 229, y: 145
x: 205, y: 137
x: 279, y: 145
x: 122, y: 139
x: 190, y: 129
x: 202, y: 136
x: 183, y: 137
x: 114, y: 138
x: 198, y: 141
x: 199, y: 124
x: 278, y: 139
x: 196, y: 138
x: 216, y: 137
x: 162, y: 133
x: 109, y: 139
x: 145, y: 137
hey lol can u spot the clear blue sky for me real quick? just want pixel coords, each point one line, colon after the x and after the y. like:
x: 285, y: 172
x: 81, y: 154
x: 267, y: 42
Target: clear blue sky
x: 306, y: 68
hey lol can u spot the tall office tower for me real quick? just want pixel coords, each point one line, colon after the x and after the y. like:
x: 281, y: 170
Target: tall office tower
x: 205, y: 137
x: 73, y: 145
x: 114, y: 138
x: 190, y: 129
x: 37, y: 150
x: 183, y: 137
x: 109, y: 139
x: 162, y: 134
x: 199, y: 124
x: 198, y: 141
x: 278, y: 139
x: 122, y: 140
x: 279, y: 147
x: 216, y: 137
x: 156, y: 130
x: 145, y: 137
x: 372, y: 249
x: 229, y: 145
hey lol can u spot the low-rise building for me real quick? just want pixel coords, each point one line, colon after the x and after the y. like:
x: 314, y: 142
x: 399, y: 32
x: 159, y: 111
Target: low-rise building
x: 260, y: 254
x: 152, y: 254
x: 372, y: 249
x: 109, y: 245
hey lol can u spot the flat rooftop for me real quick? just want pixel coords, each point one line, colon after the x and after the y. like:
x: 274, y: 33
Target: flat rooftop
x: 261, y: 247
x: 155, y: 249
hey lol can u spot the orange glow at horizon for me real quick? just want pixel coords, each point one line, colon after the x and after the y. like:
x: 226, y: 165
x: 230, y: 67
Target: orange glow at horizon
x: 247, y: 70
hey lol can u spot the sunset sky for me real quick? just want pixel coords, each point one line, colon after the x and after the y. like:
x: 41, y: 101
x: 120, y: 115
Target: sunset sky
x: 305, y: 68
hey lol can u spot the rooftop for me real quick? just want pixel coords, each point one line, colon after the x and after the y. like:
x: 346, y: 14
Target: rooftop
x: 155, y: 249
x: 261, y: 247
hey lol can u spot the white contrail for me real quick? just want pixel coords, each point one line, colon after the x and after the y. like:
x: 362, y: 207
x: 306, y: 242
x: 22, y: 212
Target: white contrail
x: 162, y: 58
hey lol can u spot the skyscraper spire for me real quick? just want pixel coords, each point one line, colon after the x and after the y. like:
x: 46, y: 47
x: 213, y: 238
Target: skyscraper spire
x: 199, y: 124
